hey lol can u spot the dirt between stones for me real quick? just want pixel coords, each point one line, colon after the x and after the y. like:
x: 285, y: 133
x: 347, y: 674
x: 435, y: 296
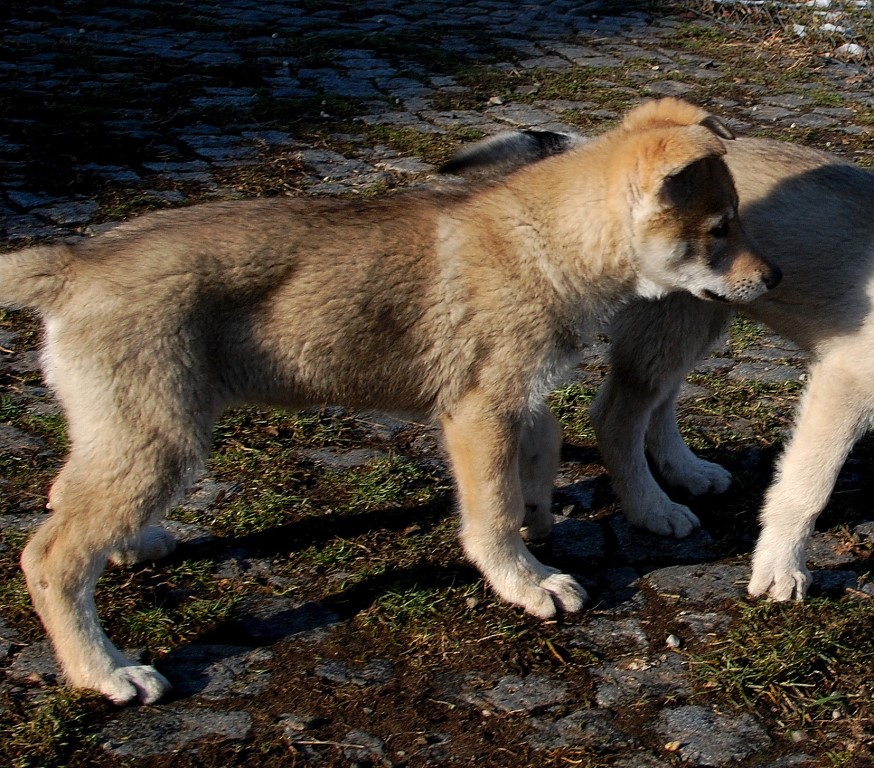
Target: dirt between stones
x: 319, y: 611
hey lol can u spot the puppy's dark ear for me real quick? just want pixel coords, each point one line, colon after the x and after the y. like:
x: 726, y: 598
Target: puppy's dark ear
x: 687, y: 156
x: 714, y: 124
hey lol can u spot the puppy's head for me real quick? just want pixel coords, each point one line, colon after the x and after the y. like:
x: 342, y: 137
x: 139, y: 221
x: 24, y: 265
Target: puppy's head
x: 684, y: 225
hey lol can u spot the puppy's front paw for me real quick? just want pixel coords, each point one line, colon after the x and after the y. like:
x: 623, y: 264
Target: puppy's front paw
x: 700, y: 477
x: 565, y: 591
x: 524, y: 581
x: 544, y: 592
x: 134, y: 683
x: 665, y: 519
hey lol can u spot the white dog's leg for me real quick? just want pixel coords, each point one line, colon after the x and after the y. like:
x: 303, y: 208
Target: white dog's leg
x: 834, y: 412
x: 654, y: 344
x: 677, y: 465
x: 620, y: 416
x: 539, y: 455
x: 483, y: 449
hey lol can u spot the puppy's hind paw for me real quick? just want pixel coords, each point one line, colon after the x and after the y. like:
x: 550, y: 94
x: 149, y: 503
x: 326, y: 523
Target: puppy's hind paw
x: 153, y: 543
x: 544, y: 597
x: 135, y: 683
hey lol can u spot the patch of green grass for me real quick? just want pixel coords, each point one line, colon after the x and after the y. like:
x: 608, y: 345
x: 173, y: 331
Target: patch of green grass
x: 13, y: 591
x: 793, y: 660
x: 700, y: 36
x: 51, y: 426
x: 9, y: 409
x: 429, y: 623
x: 571, y: 404
x: 255, y: 512
x: 387, y: 483
x: 415, y: 605
x: 250, y: 429
x: 119, y: 204
x: 433, y: 148
x: 826, y: 97
x: 49, y: 733
x: 163, y: 608
x: 744, y: 333
x: 736, y: 412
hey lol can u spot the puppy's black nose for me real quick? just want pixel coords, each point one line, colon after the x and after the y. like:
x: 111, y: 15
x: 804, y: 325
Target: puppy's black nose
x: 773, y: 278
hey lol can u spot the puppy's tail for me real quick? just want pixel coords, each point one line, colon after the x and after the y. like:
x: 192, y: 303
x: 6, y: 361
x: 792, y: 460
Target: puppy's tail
x: 35, y: 277
x: 506, y: 152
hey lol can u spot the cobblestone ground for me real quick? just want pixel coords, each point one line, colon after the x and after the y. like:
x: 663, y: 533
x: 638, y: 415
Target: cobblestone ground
x: 109, y: 109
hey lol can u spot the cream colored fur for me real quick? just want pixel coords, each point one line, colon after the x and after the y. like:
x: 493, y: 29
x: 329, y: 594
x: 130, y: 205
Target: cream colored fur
x: 465, y: 306
x: 811, y: 213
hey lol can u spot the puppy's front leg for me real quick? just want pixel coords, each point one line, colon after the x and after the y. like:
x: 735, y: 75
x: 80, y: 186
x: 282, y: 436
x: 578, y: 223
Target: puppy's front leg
x: 539, y: 455
x: 484, y: 451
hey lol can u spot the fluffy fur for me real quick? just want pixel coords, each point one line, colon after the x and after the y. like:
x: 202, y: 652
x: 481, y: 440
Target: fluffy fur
x: 810, y: 213
x: 463, y: 306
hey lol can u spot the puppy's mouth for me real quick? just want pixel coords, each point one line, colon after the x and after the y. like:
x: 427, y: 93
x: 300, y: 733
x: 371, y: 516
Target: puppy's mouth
x: 715, y: 297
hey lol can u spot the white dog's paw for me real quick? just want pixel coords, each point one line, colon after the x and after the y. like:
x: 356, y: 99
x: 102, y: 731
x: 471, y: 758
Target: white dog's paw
x: 779, y: 582
x: 698, y: 477
x: 134, y: 683
x: 154, y: 543
x: 666, y: 518
x: 779, y: 570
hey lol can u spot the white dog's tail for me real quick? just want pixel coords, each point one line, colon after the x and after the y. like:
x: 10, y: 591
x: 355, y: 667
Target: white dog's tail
x: 508, y: 151
x: 34, y: 277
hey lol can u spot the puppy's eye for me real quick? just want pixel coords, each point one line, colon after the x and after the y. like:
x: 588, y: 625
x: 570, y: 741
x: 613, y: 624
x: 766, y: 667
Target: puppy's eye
x: 720, y: 230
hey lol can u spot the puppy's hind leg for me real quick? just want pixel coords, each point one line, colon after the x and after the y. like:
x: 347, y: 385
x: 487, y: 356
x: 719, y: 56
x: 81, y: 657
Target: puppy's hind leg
x: 152, y: 543
x: 835, y: 411
x: 539, y: 454
x: 102, y: 499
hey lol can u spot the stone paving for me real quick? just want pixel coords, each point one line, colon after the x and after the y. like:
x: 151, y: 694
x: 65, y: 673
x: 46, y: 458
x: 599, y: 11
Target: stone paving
x: 165, y: 104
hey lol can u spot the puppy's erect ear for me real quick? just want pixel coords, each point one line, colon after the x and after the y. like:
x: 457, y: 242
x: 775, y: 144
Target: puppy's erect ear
x: 691, y: 166
x: 662, y: 113
x: 663, y: 153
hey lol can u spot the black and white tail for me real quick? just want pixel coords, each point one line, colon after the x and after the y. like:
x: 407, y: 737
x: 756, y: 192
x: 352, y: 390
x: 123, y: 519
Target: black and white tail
x: 506, y: 152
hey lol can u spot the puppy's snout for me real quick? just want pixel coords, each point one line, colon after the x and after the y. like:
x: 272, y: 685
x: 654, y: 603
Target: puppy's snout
x: 773, y: 277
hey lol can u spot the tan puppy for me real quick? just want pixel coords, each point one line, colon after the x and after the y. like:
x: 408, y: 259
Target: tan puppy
x: 811, y: 212
x: 465, y: 306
